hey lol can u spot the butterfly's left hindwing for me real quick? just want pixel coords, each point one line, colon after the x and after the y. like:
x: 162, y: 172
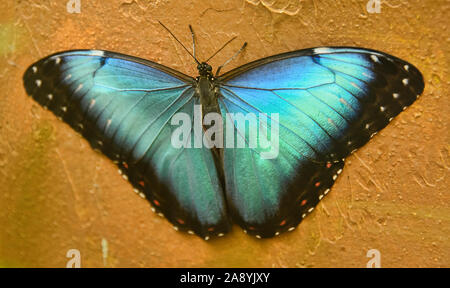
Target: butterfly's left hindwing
x: 330, y: 102
x: 123, y: 105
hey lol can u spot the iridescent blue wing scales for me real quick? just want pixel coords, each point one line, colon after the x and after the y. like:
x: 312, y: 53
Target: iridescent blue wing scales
x: 123, y: 105
x: 330, y: 102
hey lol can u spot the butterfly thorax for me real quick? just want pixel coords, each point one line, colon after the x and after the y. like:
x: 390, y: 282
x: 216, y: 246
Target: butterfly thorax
x: 206, y: 89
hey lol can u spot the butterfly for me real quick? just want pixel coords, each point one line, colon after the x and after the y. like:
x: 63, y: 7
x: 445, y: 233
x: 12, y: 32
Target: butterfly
x: 330, y: 101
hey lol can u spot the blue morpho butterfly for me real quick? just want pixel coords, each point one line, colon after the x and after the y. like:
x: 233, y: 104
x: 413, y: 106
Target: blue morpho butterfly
x: 330, y: 101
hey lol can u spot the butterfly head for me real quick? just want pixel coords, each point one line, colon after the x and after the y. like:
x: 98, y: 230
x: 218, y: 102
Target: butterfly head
x: 204, y: 69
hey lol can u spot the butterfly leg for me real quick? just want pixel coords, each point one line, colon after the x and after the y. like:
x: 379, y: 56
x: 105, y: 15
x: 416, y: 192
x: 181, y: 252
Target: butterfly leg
x: 193, y: 40
x: 231, y: 59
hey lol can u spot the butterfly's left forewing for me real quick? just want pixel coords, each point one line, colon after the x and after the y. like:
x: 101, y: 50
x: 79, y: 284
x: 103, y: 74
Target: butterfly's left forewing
x: 329, y: 102
x: 123, y: 106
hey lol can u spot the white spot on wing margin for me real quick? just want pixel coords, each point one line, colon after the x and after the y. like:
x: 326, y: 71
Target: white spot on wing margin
x: 97, y: 53
x: 322, y: 50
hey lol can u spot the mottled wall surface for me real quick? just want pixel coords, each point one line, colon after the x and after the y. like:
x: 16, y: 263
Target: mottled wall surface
x: 56, y: 193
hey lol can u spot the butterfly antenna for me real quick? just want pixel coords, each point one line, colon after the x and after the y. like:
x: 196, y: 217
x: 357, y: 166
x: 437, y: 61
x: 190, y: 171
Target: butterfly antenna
x: 221, y: 48
x: 179, y: 42
x: 193, y: 40
x: 231, y: 59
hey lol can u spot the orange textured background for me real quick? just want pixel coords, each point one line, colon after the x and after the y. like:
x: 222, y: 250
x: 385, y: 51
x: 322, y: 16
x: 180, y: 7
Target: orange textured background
x: 56, y: 193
